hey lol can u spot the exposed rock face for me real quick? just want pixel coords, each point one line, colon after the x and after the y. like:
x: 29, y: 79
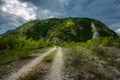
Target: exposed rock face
x: 95, y: 32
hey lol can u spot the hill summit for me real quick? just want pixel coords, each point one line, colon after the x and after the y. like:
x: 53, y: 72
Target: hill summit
x: 64, y: 29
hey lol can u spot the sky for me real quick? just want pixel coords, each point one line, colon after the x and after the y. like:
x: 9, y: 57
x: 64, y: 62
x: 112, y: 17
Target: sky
x: 14, y: 13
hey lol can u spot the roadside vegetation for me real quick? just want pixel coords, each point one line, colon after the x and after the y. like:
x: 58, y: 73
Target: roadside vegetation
x: 86, y: 64
x: 13, y: 47
x: 103, y: 42
x: 93, y: 60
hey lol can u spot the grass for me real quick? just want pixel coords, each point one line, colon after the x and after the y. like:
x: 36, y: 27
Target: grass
x: 99, y: 52
x: 83, y: 64
x: 109, y: 54
x: 49, y: 58
x: 37, y: 74
x: 41, y: 50
x: 7, y: 56
x: 41, y: 70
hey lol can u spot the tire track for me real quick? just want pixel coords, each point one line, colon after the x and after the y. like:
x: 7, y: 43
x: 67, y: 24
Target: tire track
x: 29, y: 67
x: 57, y: 66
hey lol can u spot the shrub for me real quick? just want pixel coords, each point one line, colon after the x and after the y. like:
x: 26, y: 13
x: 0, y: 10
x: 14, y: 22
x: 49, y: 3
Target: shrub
x: 107, y: 41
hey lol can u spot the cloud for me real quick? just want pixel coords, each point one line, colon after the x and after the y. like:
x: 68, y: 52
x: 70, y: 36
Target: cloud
x: 8, y: 22
x: 25, y: 10
x: 45, y: 13
x: 52, y: 6
x: 117, y: 31
x: 14, y: 13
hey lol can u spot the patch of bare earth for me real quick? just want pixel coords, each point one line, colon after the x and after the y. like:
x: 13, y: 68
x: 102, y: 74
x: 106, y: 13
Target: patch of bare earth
x: 7, y: 69
x: 88, y: 64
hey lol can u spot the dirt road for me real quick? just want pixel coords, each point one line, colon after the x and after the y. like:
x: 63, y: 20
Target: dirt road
x: 29, y: 67
x: 57, y: 66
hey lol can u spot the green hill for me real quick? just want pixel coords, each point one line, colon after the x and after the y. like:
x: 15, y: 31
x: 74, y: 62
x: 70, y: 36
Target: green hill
x: 64, y: 29
x: 86, y: 56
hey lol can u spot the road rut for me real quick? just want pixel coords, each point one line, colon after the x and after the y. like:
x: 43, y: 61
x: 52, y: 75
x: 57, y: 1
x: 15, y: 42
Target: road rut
x: 29, y: 67
x: 57, y: 66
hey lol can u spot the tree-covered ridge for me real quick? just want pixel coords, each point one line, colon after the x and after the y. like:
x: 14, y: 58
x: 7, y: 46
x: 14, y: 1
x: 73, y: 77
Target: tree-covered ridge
x: 64, y: 29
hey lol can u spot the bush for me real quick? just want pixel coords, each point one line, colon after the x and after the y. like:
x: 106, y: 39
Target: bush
x: 13, y: 47
x: 107, y: 41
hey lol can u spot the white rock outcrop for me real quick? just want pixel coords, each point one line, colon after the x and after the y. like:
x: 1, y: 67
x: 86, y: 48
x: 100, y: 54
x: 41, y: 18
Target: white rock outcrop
x: 95, y: 32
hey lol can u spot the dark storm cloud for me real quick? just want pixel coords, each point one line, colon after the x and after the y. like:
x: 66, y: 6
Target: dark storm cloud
x: 99, y: 9
x: 8, y: 22
x: 14, y: 13
x: 105, y: 10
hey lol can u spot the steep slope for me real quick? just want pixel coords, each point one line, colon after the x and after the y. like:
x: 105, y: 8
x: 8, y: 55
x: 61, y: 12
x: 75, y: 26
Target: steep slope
x: 36, y: 29
x: 78, y: 29
x: 64, y: 29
